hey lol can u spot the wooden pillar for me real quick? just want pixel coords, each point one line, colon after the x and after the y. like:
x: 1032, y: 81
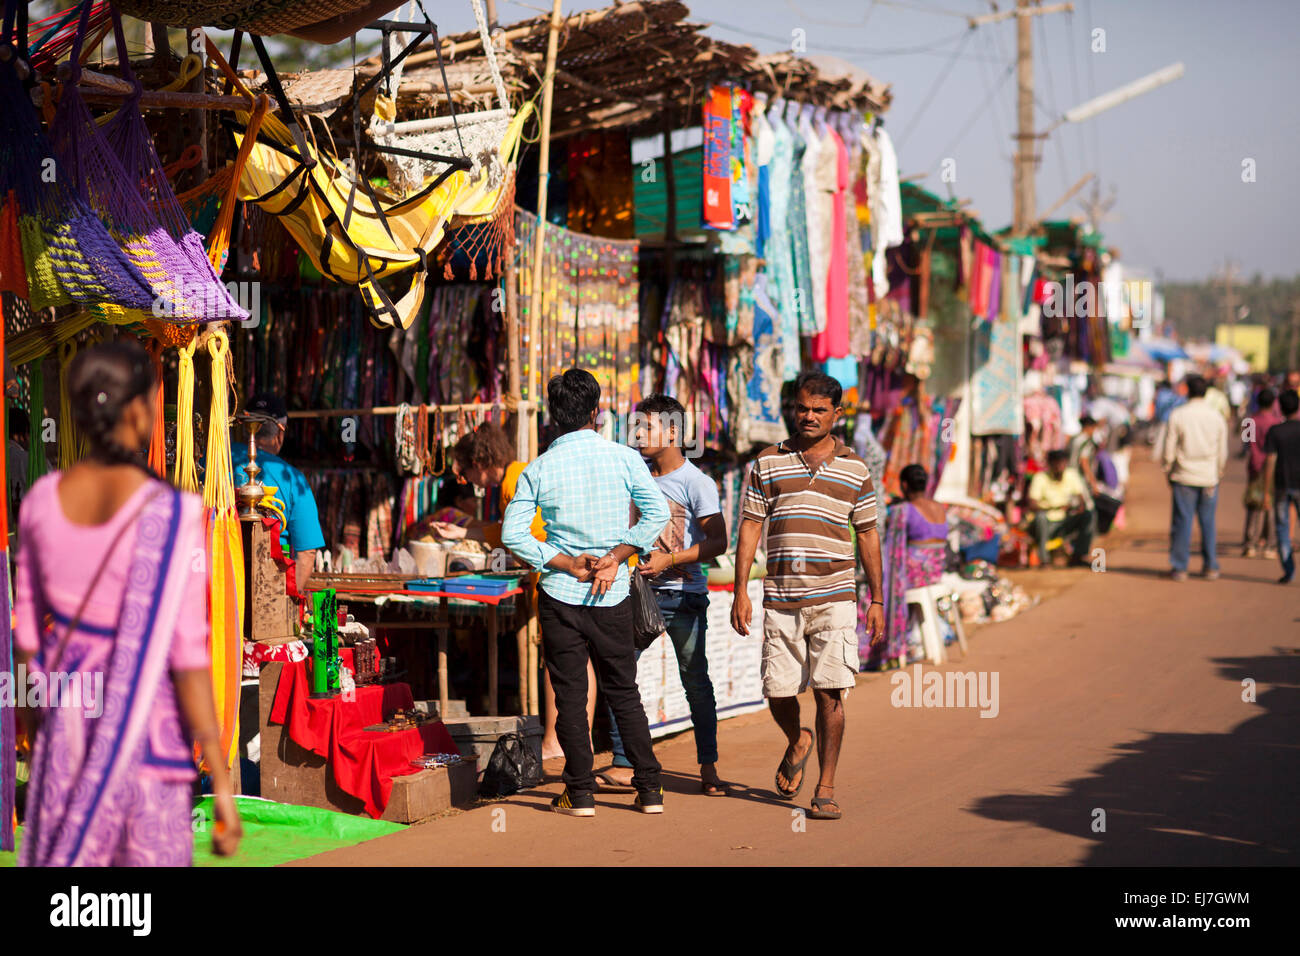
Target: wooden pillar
x: 543, y: 175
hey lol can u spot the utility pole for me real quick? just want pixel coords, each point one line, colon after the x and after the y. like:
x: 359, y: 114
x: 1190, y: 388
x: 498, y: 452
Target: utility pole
x: 1230, y: 301
x: 1293, y: 352
x: 1026, y: 162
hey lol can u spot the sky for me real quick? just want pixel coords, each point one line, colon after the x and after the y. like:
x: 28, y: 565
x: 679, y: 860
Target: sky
x: 1174, y: 157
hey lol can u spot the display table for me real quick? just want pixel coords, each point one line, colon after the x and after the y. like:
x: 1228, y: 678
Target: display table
x: 440, y: 622
x: 362, y: 763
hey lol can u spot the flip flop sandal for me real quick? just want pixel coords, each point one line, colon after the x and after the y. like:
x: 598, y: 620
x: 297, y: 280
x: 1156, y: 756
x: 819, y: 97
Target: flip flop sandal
x: 615, y: 786
x: 788, y: 769
x: 817, y: 813
x: 711, y: 789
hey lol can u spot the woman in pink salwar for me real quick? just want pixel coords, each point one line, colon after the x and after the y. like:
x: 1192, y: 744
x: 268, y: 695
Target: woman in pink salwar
x: 112, y: 589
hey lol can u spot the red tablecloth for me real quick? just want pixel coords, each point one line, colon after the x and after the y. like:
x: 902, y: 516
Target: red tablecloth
x: 363, y: 762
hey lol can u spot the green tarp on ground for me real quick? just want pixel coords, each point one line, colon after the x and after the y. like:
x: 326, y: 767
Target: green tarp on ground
x: 274, y: 833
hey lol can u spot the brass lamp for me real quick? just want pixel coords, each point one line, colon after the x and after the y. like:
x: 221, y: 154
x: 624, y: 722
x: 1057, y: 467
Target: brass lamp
x: 250, y: 494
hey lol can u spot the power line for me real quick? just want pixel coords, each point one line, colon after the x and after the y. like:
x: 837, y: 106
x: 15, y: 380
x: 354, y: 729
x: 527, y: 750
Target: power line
x: 1066, y: 178
x: 936, y: 46
x: 1006, y: 74
x: 934, y: 88
x: 1068, y: 25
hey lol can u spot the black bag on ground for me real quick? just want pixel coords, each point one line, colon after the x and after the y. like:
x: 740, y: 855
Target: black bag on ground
x: 511, y: 768
x: 1107, y: 508
x: 647, y: 619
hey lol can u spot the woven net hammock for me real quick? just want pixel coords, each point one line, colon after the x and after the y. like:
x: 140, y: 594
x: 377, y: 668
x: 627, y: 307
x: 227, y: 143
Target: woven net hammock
x: 118, y: 171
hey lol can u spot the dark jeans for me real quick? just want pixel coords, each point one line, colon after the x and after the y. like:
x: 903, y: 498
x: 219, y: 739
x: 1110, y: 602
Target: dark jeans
x: 1282, y: 505
x: 1077, y: 528
x: 1192, y: 503
x: 570, y: 635
x: 687, y: 618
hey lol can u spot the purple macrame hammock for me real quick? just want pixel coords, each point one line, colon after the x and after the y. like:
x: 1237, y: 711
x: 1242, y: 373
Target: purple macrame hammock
x: 68, y: 253
x: 116, y: 170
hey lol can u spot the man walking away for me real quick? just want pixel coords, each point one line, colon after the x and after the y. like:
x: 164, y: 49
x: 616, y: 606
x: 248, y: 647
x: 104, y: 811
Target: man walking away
x: 585, y: 487
x: 696, y: 532
x: 1061, y: 507
x: 817, y: 497
x: 1282, y: 477
x: 1194, y: 457
x: 1257, y: 521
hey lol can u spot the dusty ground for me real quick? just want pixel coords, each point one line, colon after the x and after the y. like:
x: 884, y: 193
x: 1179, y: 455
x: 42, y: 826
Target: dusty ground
x: 1121, y: 693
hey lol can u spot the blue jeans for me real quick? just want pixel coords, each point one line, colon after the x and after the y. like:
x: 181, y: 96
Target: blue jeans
x: 687, y: 618
x: 1192, y: 503
x: 1282, y: 521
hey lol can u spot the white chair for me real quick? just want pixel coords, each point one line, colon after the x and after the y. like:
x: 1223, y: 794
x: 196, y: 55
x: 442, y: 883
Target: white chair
x: 927, y: 600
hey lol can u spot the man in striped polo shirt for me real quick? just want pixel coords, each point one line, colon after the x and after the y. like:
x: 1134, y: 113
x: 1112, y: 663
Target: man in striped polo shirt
x: 816, y: 497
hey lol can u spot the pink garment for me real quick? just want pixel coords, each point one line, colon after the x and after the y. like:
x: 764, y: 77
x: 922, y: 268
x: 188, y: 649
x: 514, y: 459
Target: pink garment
x: 1263, y: 422
x: 833, y: 341
x: 57, y: 559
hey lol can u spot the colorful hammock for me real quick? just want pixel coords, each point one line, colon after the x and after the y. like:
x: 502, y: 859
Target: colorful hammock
x: 68, y: 254
x: 119, y: 173
x: 351, y: 235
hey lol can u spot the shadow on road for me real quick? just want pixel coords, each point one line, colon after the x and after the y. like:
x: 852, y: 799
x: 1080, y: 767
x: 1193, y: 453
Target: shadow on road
x: 1191, y: 799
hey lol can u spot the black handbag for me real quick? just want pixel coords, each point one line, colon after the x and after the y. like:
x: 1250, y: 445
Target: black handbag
x: 511, y: 768
x: 647, y: 619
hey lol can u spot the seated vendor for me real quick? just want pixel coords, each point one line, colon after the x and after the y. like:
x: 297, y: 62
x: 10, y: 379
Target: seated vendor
x: 1061, y: 507
x: 484, y: 457
x: 301, y: 535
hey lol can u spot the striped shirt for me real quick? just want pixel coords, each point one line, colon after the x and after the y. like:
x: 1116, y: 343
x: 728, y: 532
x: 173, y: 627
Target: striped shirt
x: 812, y: 521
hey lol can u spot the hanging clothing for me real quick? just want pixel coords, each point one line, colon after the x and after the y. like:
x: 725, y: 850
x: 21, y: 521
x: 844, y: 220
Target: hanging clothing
x: 814, y: 181
x: 833, y: 340
x: 780, y: 248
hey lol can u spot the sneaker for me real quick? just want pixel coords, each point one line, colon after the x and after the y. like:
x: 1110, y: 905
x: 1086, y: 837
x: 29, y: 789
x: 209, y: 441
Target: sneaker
x: 574, y: 805
x: 1212, y: 574
x: 1178, y: 575
x: 650, y: 801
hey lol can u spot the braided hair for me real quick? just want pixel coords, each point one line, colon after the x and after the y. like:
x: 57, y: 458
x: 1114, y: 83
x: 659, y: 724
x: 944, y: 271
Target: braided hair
x: 102, y: 382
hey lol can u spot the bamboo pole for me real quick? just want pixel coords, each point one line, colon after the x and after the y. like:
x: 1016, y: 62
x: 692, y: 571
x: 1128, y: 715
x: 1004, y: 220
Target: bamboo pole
x: 543, y: 175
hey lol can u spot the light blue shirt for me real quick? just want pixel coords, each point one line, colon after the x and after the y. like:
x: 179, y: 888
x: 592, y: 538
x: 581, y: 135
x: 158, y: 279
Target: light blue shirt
x: 585, y: 487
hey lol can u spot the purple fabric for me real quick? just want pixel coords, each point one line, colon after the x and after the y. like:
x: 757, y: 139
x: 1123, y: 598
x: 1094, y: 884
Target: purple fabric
x: 8, y: 732
x: 84, y: 805
x: 893, y: 552
x: 918, y: 529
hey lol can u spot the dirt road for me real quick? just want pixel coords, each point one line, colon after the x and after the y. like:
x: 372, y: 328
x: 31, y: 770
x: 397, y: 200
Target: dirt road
x: 1120, y: 700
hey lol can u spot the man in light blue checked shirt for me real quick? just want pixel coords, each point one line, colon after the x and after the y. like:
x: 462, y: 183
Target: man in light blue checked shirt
x: 585, y: 487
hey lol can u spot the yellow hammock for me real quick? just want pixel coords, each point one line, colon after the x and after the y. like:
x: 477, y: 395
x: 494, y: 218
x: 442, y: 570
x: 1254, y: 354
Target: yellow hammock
x: 355, y: 238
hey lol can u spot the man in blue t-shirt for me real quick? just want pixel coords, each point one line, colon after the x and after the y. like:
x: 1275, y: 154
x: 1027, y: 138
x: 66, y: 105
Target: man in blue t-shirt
x: 696, y: 532
x: 301, y: 536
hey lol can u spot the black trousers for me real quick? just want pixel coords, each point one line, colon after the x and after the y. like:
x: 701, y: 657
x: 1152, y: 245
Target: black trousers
x: 570, y: 634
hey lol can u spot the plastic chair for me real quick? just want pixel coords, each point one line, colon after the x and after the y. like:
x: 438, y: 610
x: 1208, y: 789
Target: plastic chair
x: 927, y: 600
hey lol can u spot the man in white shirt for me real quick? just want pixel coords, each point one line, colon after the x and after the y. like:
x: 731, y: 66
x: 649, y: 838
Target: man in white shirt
x: 1194, y: 456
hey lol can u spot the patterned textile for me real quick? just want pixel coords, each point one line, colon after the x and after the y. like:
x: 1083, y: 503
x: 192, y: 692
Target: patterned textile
x: 995, y: 383
x: 800, y: 295
x: 893, y: 551
x: 924, y: 565
x: 779, y: 251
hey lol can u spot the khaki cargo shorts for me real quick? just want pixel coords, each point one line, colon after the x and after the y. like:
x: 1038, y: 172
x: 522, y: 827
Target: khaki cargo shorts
x: 815, y: 645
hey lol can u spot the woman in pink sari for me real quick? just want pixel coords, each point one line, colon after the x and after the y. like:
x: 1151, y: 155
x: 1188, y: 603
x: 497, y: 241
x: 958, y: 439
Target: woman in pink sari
x: 112, y: 593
